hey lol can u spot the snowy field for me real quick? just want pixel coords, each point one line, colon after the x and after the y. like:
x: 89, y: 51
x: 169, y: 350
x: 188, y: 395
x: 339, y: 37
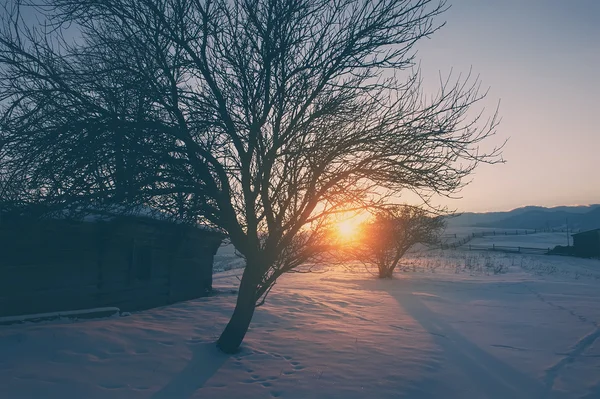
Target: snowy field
x: 452, y: 324
x: 227, y: 259
x: 537, y: 240
x: 463, y: 231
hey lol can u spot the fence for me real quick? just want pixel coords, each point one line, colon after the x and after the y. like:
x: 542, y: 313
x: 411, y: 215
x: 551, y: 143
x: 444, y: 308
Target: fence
x: 493, y: 247
x: 456, y: 244
x: 512, y: 233
x: 501, y: 248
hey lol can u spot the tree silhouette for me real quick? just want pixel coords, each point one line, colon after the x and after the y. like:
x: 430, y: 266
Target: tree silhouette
x: 385, y: 239
x: 259, y: 117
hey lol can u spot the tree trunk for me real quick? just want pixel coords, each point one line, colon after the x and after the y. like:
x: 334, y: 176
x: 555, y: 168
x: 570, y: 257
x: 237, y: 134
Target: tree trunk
x: 385, y: 271
x: 233, y: 335
x: 388, y: 271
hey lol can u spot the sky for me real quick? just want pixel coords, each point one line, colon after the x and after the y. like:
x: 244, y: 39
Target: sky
x: 541, y: 60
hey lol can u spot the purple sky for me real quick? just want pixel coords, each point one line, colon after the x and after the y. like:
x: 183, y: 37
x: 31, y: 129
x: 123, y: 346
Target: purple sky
x: 541, y: 58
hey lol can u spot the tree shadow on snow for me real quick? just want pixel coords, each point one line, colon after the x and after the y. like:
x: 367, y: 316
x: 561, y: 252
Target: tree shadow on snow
x: 205, y: 362
x: 492, y: 377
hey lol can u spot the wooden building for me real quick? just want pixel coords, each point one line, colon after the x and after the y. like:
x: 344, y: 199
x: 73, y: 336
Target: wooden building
x: 129, y: 262
x: 587, y: 244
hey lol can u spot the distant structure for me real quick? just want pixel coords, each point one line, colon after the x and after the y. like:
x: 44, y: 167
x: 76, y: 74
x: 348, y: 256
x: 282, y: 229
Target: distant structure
x: 587, y: 244
x: 130, y: 262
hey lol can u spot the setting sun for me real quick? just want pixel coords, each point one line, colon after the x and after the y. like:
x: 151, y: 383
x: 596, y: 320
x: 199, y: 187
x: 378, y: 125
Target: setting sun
x: 348, y: 225
x: 347, y: 229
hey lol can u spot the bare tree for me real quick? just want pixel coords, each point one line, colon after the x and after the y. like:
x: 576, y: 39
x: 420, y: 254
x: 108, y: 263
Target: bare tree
x: 385, y: 239
x: 259, y: 117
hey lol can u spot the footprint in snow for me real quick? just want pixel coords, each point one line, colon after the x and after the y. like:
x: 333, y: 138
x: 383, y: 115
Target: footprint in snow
x: 111, y: 386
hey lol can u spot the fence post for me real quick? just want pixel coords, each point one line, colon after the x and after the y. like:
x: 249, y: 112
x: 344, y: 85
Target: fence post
x: 519, y: 249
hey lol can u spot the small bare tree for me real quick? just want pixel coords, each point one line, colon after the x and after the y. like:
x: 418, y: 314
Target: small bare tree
x: 259, y: 117
x: 386, y: 238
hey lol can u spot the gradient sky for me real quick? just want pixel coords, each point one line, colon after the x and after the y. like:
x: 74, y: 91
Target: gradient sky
x: 541, y: 58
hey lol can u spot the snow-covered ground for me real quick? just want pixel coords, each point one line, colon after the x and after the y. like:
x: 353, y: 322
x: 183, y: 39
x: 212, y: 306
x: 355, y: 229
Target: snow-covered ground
x: 452, y: 324
x: 227, y: 259
x: 463, y: 231
x: 537, y: 240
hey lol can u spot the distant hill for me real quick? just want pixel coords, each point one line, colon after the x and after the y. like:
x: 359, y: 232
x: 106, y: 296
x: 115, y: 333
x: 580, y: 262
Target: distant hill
x: 534, y: 217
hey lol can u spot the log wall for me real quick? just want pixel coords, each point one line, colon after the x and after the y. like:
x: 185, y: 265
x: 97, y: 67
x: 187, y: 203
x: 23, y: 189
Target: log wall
x: 131, y: 263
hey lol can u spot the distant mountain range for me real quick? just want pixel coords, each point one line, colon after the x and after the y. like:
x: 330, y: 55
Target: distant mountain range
x: 534, y: 217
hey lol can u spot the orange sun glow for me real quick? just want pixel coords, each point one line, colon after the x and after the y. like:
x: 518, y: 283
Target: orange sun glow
x: 347, y: 229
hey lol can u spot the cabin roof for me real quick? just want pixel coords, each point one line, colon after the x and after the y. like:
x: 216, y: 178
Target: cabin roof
x: 114, y: 212
x: 587, y: 232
